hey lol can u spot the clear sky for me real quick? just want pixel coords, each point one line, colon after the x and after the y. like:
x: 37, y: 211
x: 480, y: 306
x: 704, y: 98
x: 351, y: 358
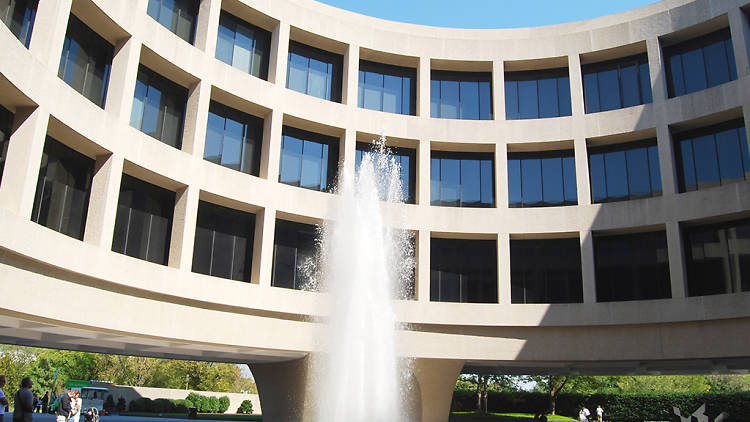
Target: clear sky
x: 487, y: 13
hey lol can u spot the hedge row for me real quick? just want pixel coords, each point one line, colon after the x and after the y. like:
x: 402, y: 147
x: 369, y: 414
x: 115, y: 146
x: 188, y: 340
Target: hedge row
x: 617, y: 407
x: 202, y: 403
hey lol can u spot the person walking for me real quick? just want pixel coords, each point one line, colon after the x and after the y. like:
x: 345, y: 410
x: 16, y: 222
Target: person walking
x: 45, y: 402
x: 63, y: 409
x: 76, y: 403
x: 3, y: 399
x: 599, y: 413
x: 23, y: 408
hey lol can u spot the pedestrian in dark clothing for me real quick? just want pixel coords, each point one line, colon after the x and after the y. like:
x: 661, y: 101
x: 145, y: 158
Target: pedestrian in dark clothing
x: 3, y: 399
x: 45, y: 402
x: 63, y: 409
x: 24, y: 402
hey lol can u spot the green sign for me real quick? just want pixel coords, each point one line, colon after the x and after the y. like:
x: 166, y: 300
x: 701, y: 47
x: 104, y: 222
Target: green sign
x: 76, y: 384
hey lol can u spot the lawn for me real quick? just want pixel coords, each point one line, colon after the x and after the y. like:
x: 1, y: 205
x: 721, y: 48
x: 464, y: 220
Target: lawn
x: 509, y: 417
x: 210, y: 416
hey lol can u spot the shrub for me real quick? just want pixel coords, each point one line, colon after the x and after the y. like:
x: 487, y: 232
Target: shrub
x: 141, y: 404
x: 213, y: 405
x: 180, y: 406
x: 245, y: 407
x: 162, y: 406
x: 121, y: 404
x: 223, y: 404
x: 189, y: 403
x: 109, y: 404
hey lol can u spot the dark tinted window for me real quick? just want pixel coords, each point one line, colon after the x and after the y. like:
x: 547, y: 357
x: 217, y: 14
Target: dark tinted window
x: 541, y: 179
x: 223, y: 242
x: 537, y: 94
x: 308, y: 160
x: 712, y: 156
x: 718, y: 258
x: 18, y: 16
x: 546, y: 271
x: 6, y: 124
x: 143, y: 226
x: 233, y: 139
x: 625, y: 171
x: 461, y: 95
x: 179, y: 16
x: 86, y: 61
x: 631, y: 267
x: 294, y: 254
x: 388, y: 88
x: 463, y: 270
x: 243, y: 45
x: 62, y: 190
x: 406, y: 159
x: 616, y: 84
x: 158, y: 107
x: 700, y: 63
x: 314, y: 72
x: 462, y: 179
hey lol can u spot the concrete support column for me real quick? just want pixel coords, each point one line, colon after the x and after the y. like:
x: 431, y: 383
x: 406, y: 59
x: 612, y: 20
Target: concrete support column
x: 279, y: 52
x: 271, y: 149
x: 498, y: 90
x: 282, y: 389
x: 196, y: 119
x: 265, y: 228
x: 349, y: 89
x: 50, y: 25
x: 503, y: 269
x: 423, y: 87
x: 423, y: 266
x: 348, y: 151
x: 437, y: 380
x: 122, y: 79
x: 207, y: 26
x: 740, y: 29
x: 105, y: 192
x: 183, y: 228
x: 24, y: 155
x: 576, y: 85
x: 656, y: 71
x: 677, y: 271
x: 423, y: 173
x: 588, y: 266
x: 582, y: 170
x: 501, y: 176
x: 667, y: 166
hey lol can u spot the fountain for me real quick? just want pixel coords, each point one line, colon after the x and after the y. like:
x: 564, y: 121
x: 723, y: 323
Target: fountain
x: 363, y: 265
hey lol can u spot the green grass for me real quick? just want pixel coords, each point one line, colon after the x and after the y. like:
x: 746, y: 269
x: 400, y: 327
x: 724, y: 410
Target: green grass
x: 211, y: 416
x: 506, y: 417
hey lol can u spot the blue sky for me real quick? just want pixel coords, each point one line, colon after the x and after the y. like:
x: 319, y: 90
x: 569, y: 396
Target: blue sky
x: 487, y: 13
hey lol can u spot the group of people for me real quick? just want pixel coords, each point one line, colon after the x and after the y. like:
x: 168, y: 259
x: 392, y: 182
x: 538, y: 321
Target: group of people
x: 584, y: 413
x: 26, y: 402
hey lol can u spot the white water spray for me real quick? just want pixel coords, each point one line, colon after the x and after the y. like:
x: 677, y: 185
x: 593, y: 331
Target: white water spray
x: 364, y: 266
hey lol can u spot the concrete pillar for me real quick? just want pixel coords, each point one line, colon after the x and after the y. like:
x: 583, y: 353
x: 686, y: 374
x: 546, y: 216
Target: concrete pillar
x: 122, y: 77
x: 207, y: 26
x: 348, y: 151
x: 271, y: 149
x: 576, y: 85
x: 423, y: 266
x: 423, y: 173
x: 105, y: 192
x: 282, y: 389
x: 503, y: 269
x: 436, y: 380
x: 196, y: 119
x: 183, y: 228
x: 498, y: 90
x: 25, y: 147
x: 677, y: 271
x: 588, y: 266
x: 501, y: 176
x: 265, y: 229
x: 279, y: 52
x: 656, y: 71
x: 667, y: 166
x: 349, y: 90
x: 582, y: 170
x: 423, y: 87
x: 50, y: 25
x: 739, y: 26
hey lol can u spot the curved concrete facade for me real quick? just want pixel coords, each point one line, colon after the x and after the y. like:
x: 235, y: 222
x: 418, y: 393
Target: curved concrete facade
x: 126, y: 305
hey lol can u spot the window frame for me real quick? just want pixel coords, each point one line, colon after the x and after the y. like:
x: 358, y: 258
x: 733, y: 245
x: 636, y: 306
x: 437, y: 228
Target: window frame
x: 618, y: 64
x: 695, y: 44
x: 309, y: 52
x: 24, y: 31
x: 459, y: 77
x: 208, y: 214
x: 388, y: 70
x: 192, y: 6
x: 249, y: 122
x: 167, y: 89
x: 331, y: 160
x: 460, y: 157
x: 262, y: 36
x: 541, y: 155
x: 538, y: 247
x: 625, y: 147
x: 365, y: 147
x: 537, y: 76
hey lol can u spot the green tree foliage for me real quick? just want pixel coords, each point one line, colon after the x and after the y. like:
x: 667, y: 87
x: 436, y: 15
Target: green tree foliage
x: 245, y: 407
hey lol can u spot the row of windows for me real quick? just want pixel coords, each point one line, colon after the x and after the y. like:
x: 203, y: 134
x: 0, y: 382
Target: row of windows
x: 628, y: 266
x: 690, y: 66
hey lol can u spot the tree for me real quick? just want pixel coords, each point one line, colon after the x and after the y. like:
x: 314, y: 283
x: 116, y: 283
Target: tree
x: 552, y: 385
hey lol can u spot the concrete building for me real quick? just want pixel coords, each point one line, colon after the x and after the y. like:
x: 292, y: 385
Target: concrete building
x: 162, y: 164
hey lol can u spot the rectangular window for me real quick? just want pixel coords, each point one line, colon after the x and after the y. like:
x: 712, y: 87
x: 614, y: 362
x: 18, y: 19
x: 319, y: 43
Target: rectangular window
x: 546, y: 271
x: 6, y: 124
x: 62, y: 190
x: 462, y: 179
x: 388, y: 88
x: 717, y: 258
x: 86, y: 61
x: 159, y: 107
x: 625, y: 171
x: 294, y: 255
x: 179, y: 16
x: 244, y: 46
x: 406, y: 159
x: 19, y: 16
x: 631, y: 267
x: 700, y: 63
x: 463, y: 270
x: 143, y: 225
x: 233, y: 139
x: 712, y: 156
x: 461, y: 95
x: 616, y: 84
x: 308, y: 160
x: 223, y: 242
x: 537, y: 94
x: 314, y: 72
x: 542, y: 179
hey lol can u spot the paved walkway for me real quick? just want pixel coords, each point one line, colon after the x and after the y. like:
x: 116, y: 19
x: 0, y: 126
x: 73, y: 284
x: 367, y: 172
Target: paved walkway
x: 42, y: 417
